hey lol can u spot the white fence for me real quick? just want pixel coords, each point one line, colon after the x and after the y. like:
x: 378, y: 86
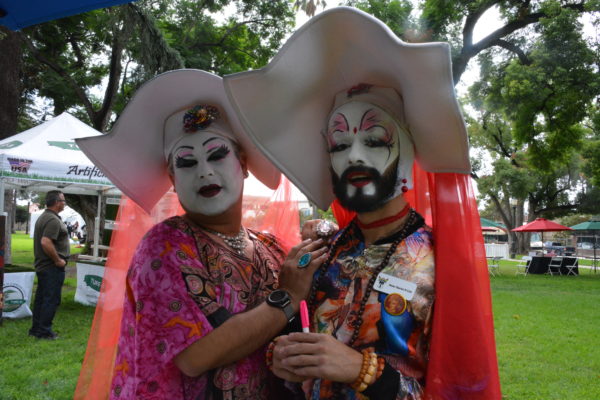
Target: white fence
x: 496, y: 250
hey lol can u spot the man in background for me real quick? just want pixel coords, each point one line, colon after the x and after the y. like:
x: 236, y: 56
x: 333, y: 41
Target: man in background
x: 51, y: 250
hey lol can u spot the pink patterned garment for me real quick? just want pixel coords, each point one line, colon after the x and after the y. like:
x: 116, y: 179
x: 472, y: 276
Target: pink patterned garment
x: 182, y: 285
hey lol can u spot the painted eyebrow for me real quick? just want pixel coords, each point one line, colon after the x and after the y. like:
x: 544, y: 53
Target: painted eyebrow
x: 208, y: 140
x: 369, y: 120
x: 340, y: 122
x: 179, y: 150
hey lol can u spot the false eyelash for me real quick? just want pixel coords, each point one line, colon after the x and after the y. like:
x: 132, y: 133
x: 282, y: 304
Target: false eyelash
x: 379, y: 143
x: 181, y: 162
x: 219, y: 153
x: 337, y: 147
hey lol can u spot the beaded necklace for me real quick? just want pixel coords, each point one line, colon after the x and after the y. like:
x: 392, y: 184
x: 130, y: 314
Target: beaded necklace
x: 237, y: 242
x: 323, y: 268
x: 359, y: 319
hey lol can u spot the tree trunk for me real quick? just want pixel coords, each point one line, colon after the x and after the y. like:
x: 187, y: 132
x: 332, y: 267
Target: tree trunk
x: 513, y: 244
x: 87, y: 206
x: 10, y: 93
x: 523, y: 238
x: 10, y: 81
x: 9, y: 202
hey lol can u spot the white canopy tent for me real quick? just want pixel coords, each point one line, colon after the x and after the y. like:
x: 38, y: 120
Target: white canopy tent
x: 46, y: 158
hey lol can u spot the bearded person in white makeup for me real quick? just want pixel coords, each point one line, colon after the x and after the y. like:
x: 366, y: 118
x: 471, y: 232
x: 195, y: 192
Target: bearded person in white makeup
x: 394, y: 314
x: 387, y: 246
x: 204, y: 294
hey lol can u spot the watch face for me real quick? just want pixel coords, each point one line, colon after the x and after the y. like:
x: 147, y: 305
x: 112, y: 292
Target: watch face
x: 277, y: 296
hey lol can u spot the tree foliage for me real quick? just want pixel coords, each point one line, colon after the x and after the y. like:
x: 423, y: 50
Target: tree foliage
x: 246, y: 39
x: 395, y: 13
x: 78, y: 62
x: 530, y: 111
x: 91, y: 63
x: 455, y: 21
x: 591, y: 150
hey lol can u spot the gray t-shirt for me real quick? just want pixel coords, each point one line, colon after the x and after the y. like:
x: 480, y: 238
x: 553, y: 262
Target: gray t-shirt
x: 50, y: 225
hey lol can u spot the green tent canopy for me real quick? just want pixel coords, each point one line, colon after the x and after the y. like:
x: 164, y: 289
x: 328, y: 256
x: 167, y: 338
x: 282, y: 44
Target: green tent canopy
x: 489, y: 223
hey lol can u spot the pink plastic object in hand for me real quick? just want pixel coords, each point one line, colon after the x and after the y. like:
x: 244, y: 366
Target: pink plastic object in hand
x: 304, y: 317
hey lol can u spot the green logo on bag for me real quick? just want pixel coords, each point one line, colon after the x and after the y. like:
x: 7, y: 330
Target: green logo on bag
x: 13, y: 298
x: 93, y: 281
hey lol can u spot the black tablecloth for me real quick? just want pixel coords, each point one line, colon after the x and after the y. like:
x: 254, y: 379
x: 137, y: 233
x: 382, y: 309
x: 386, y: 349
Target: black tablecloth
x: 539, y: 265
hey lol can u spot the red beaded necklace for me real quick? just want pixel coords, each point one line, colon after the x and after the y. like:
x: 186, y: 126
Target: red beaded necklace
x: 384, y: 221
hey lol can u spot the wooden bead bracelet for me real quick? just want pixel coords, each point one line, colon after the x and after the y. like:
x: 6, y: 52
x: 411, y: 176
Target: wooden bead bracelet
x: 368, y: 371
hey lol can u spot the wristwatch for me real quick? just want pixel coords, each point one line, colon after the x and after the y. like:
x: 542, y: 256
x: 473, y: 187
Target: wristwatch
x: 281, y: 299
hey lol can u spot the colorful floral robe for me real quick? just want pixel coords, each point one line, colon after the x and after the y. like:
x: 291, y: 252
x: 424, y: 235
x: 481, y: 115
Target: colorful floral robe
x: 181, y: 285
x: 402, y: 340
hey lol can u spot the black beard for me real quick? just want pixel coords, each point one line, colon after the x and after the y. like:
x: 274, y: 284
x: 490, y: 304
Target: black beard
x: 385, y: 186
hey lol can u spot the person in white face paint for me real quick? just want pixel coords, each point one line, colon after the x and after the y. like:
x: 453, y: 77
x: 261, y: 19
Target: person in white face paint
x: 204, y: 294
x: 372, y: 300
x: 208, y: 172
x: 345, y: 95
x: 364, y: 145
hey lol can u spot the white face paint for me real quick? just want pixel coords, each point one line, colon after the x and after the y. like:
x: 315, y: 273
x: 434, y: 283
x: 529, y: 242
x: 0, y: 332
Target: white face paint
x: 361, y: 135
x: 207, y: 174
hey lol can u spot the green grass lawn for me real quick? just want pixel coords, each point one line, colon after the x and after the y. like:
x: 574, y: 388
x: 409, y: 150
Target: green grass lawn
x: 22, y: 250
x: 547, y: 330
x: 42, y: 369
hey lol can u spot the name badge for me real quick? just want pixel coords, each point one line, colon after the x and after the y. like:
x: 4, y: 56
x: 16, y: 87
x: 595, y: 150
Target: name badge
x: 390, y: 284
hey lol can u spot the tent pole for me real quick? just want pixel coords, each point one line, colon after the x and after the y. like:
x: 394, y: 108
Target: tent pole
x: 594, y: 267
x: 97, y: 226
x: 1, y: 196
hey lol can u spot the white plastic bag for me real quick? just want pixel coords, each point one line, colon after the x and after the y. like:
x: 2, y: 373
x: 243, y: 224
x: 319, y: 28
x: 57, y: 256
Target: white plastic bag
x: 18, y: 288
x: 89, y: 279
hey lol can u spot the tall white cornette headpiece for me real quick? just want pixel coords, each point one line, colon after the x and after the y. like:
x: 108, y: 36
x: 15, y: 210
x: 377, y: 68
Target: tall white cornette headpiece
x: 285, y: 105
x: 134, y: 154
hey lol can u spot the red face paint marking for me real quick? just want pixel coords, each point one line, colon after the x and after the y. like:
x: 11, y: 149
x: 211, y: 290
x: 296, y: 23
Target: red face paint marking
x: 355, y: 130
x: 338, y: 124
x: 370, y: 119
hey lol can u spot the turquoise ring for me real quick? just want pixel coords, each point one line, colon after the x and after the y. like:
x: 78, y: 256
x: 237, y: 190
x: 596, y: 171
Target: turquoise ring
x: 304, y: 260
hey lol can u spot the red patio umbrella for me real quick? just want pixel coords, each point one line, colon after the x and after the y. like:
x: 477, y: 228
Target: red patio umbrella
x: 542, y: 225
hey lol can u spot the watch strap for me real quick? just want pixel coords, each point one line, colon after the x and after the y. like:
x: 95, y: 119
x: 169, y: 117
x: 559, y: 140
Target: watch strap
x: 289, y: 312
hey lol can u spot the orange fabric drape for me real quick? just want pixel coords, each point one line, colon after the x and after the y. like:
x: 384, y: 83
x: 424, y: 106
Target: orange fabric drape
x: 277, y: 215
x: 132, y: 223
x: 463, y: 363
